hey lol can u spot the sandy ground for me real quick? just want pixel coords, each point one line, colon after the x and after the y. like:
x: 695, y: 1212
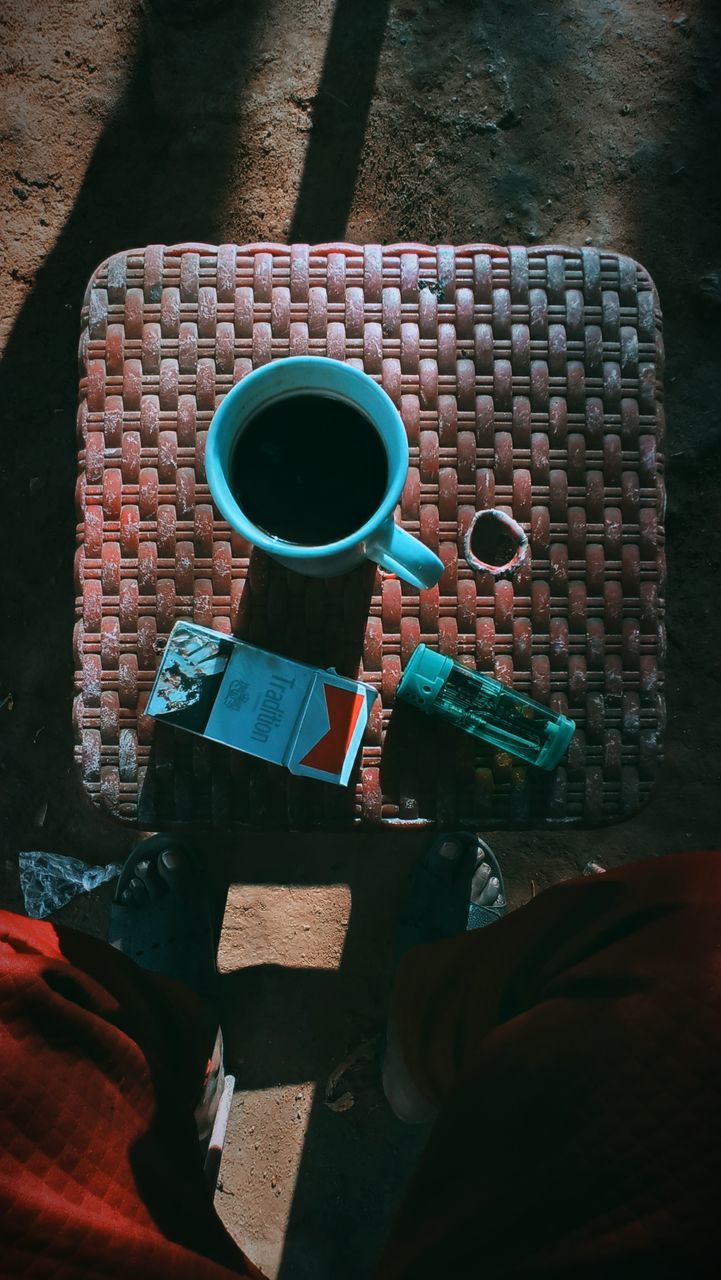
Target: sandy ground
x: 592, y: 122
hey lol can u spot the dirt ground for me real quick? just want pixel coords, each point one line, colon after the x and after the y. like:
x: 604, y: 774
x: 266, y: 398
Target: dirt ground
x: 432, y: 120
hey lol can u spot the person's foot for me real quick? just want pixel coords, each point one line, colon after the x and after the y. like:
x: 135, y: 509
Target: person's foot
x: 152, y: 878
x: 485, y: 886
x: 162, y: 916
x: 456, y: 886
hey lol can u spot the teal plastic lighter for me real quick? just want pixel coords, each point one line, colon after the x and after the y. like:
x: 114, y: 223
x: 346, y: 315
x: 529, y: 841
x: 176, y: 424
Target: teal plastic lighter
x: 485, y: 707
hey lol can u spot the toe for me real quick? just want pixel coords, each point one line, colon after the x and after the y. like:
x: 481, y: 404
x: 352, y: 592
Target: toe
x: 491, y: 892
x: 146, y: 873
x: 447, y: 859
x: 172, y: 859
x: 138, y: 894
x: 173, y: 865
x: 481, y: 876
x: 451, y: 850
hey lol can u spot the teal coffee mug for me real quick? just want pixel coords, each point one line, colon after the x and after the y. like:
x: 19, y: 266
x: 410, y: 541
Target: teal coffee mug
x: 306, y: 457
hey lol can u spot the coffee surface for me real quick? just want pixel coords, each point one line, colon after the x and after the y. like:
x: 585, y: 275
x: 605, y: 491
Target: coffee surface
x: 309, y: 469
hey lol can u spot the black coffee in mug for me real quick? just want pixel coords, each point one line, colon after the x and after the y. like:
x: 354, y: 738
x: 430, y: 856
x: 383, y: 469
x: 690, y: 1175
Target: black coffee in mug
x: 309, y: 469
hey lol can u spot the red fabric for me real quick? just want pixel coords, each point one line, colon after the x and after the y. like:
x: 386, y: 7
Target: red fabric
x: 101, y: 1065
x: 574, y: 1050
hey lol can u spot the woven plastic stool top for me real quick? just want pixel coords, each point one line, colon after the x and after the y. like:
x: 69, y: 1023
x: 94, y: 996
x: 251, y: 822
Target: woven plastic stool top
x: 528, y: 380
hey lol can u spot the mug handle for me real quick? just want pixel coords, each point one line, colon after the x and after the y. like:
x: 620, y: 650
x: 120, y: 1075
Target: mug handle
x: 399, y: 552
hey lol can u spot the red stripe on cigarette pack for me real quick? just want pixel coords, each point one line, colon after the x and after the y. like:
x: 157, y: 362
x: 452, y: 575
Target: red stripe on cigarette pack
x: 343, y: 707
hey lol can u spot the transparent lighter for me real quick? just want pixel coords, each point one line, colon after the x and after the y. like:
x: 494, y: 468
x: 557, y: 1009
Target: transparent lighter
x: 484, y: 707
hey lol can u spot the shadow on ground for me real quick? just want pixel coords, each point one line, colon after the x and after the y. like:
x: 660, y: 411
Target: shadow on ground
x: 158, y: 175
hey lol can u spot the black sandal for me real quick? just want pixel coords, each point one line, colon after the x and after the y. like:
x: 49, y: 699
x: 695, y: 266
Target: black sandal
x: 430, y: 912
x: 176, y: 932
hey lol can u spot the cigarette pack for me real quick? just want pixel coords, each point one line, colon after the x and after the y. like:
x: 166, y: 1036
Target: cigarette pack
x: 309, y: 720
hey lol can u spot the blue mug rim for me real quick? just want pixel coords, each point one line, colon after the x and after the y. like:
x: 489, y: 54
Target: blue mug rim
x: 226, y: 419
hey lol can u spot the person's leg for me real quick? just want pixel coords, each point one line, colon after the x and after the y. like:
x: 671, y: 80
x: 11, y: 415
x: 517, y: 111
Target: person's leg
x: 455, y: 880
x: 572, y: 1052
x: 101, y: 1068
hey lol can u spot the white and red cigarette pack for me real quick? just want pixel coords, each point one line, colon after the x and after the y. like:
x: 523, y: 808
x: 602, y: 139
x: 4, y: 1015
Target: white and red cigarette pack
x: 309, y: 720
